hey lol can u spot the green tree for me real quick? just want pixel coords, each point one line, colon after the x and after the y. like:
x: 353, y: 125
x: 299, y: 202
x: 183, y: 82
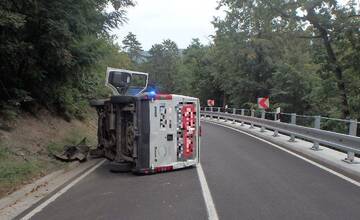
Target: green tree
x: 133, y: 48
x: 322, y: 22
x: 163, y: 65
x: 195, y: 76
x: 318, y: 35
x: 48, y: 49
x: 245, y: 55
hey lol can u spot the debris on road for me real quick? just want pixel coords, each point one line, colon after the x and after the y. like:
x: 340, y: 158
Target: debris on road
x: 74, y: 152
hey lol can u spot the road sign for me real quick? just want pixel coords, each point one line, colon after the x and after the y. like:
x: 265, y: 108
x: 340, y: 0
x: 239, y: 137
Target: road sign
x: 263, y: 103
x: 210, y: 102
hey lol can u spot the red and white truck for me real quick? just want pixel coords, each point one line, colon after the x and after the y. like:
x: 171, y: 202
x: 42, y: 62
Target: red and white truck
x: 145, y: 132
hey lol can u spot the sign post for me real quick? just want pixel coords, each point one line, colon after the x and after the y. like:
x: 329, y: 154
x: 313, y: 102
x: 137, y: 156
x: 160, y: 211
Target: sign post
x: 277, y: 118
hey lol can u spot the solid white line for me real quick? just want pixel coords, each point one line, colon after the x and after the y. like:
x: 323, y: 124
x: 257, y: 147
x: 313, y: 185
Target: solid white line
x: 294, y: 154
x: 59, y: 193
x: 210, y: 206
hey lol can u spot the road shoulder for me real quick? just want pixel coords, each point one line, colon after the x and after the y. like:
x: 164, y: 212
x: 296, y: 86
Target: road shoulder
x: 24, y: 198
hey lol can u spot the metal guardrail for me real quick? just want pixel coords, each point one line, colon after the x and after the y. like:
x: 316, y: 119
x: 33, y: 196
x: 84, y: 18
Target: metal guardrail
x: 346, y: 143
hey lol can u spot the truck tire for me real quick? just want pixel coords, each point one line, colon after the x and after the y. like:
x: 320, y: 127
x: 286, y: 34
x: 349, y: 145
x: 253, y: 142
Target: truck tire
x: 123, y: 167
x: 97, y: 102
x: 122, y: 99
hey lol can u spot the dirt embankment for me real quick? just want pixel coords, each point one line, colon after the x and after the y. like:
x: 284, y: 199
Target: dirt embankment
x: 26, y: 149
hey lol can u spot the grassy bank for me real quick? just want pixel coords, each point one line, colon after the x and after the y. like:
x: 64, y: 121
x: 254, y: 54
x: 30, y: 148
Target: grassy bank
x: 26, y: 150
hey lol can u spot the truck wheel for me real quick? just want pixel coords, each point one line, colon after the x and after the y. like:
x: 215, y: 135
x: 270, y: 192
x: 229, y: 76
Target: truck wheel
x: 97, y: 102
x: 122, y: 99
x: 123, y: 167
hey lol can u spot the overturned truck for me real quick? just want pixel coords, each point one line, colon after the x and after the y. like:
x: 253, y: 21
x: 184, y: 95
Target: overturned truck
x: 145, y: 132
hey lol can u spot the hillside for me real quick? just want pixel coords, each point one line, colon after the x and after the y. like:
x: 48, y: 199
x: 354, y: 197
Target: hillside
x: 26, y: 149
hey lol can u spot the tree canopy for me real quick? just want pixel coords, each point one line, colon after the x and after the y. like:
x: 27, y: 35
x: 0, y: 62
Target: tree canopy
x: 133, y: 47
x: 50, y: 49
x: 304, y: 54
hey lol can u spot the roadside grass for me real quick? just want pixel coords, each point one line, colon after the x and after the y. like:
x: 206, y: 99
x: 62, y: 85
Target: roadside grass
x: 15, y: 170
x: 18, y: 169
x: 74, y: 137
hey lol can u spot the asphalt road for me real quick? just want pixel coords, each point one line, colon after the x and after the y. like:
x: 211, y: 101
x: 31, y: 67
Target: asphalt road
x: 248, y: 179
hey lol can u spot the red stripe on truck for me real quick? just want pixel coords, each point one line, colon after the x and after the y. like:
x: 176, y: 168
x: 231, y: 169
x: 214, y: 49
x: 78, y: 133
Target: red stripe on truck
x: 163, y: 97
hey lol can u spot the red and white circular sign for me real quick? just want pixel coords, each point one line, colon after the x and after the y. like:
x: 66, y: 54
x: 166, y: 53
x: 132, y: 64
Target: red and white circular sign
x: 211, y: 102
x: 263, y: 103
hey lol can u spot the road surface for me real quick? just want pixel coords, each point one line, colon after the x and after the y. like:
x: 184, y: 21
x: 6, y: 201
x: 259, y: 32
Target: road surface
x: 247, y: 178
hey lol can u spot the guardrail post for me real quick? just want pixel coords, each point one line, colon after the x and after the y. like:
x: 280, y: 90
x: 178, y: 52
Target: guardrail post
x: 352, y: 131
x: 234, y: 113
x: 276, y: 132
x: 226, y: 119
x: 218, y: 110
x: 353, y: 127
x: 292, y: 121
x: 317, y: 126
x: 242, y: 114
x: 252, y: 115
x: 262, y: 117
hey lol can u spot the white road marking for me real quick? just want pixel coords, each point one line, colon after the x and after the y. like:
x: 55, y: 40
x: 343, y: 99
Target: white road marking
x: 210, y: 206
x: 59, y: 193
x: 294, y: 154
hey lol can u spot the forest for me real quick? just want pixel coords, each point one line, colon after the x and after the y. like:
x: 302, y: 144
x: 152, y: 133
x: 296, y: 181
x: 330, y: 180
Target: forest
x: 303, y: 54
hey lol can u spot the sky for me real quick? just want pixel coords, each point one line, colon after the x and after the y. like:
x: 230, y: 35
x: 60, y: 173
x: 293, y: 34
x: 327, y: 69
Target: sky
x: 153, y: 21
